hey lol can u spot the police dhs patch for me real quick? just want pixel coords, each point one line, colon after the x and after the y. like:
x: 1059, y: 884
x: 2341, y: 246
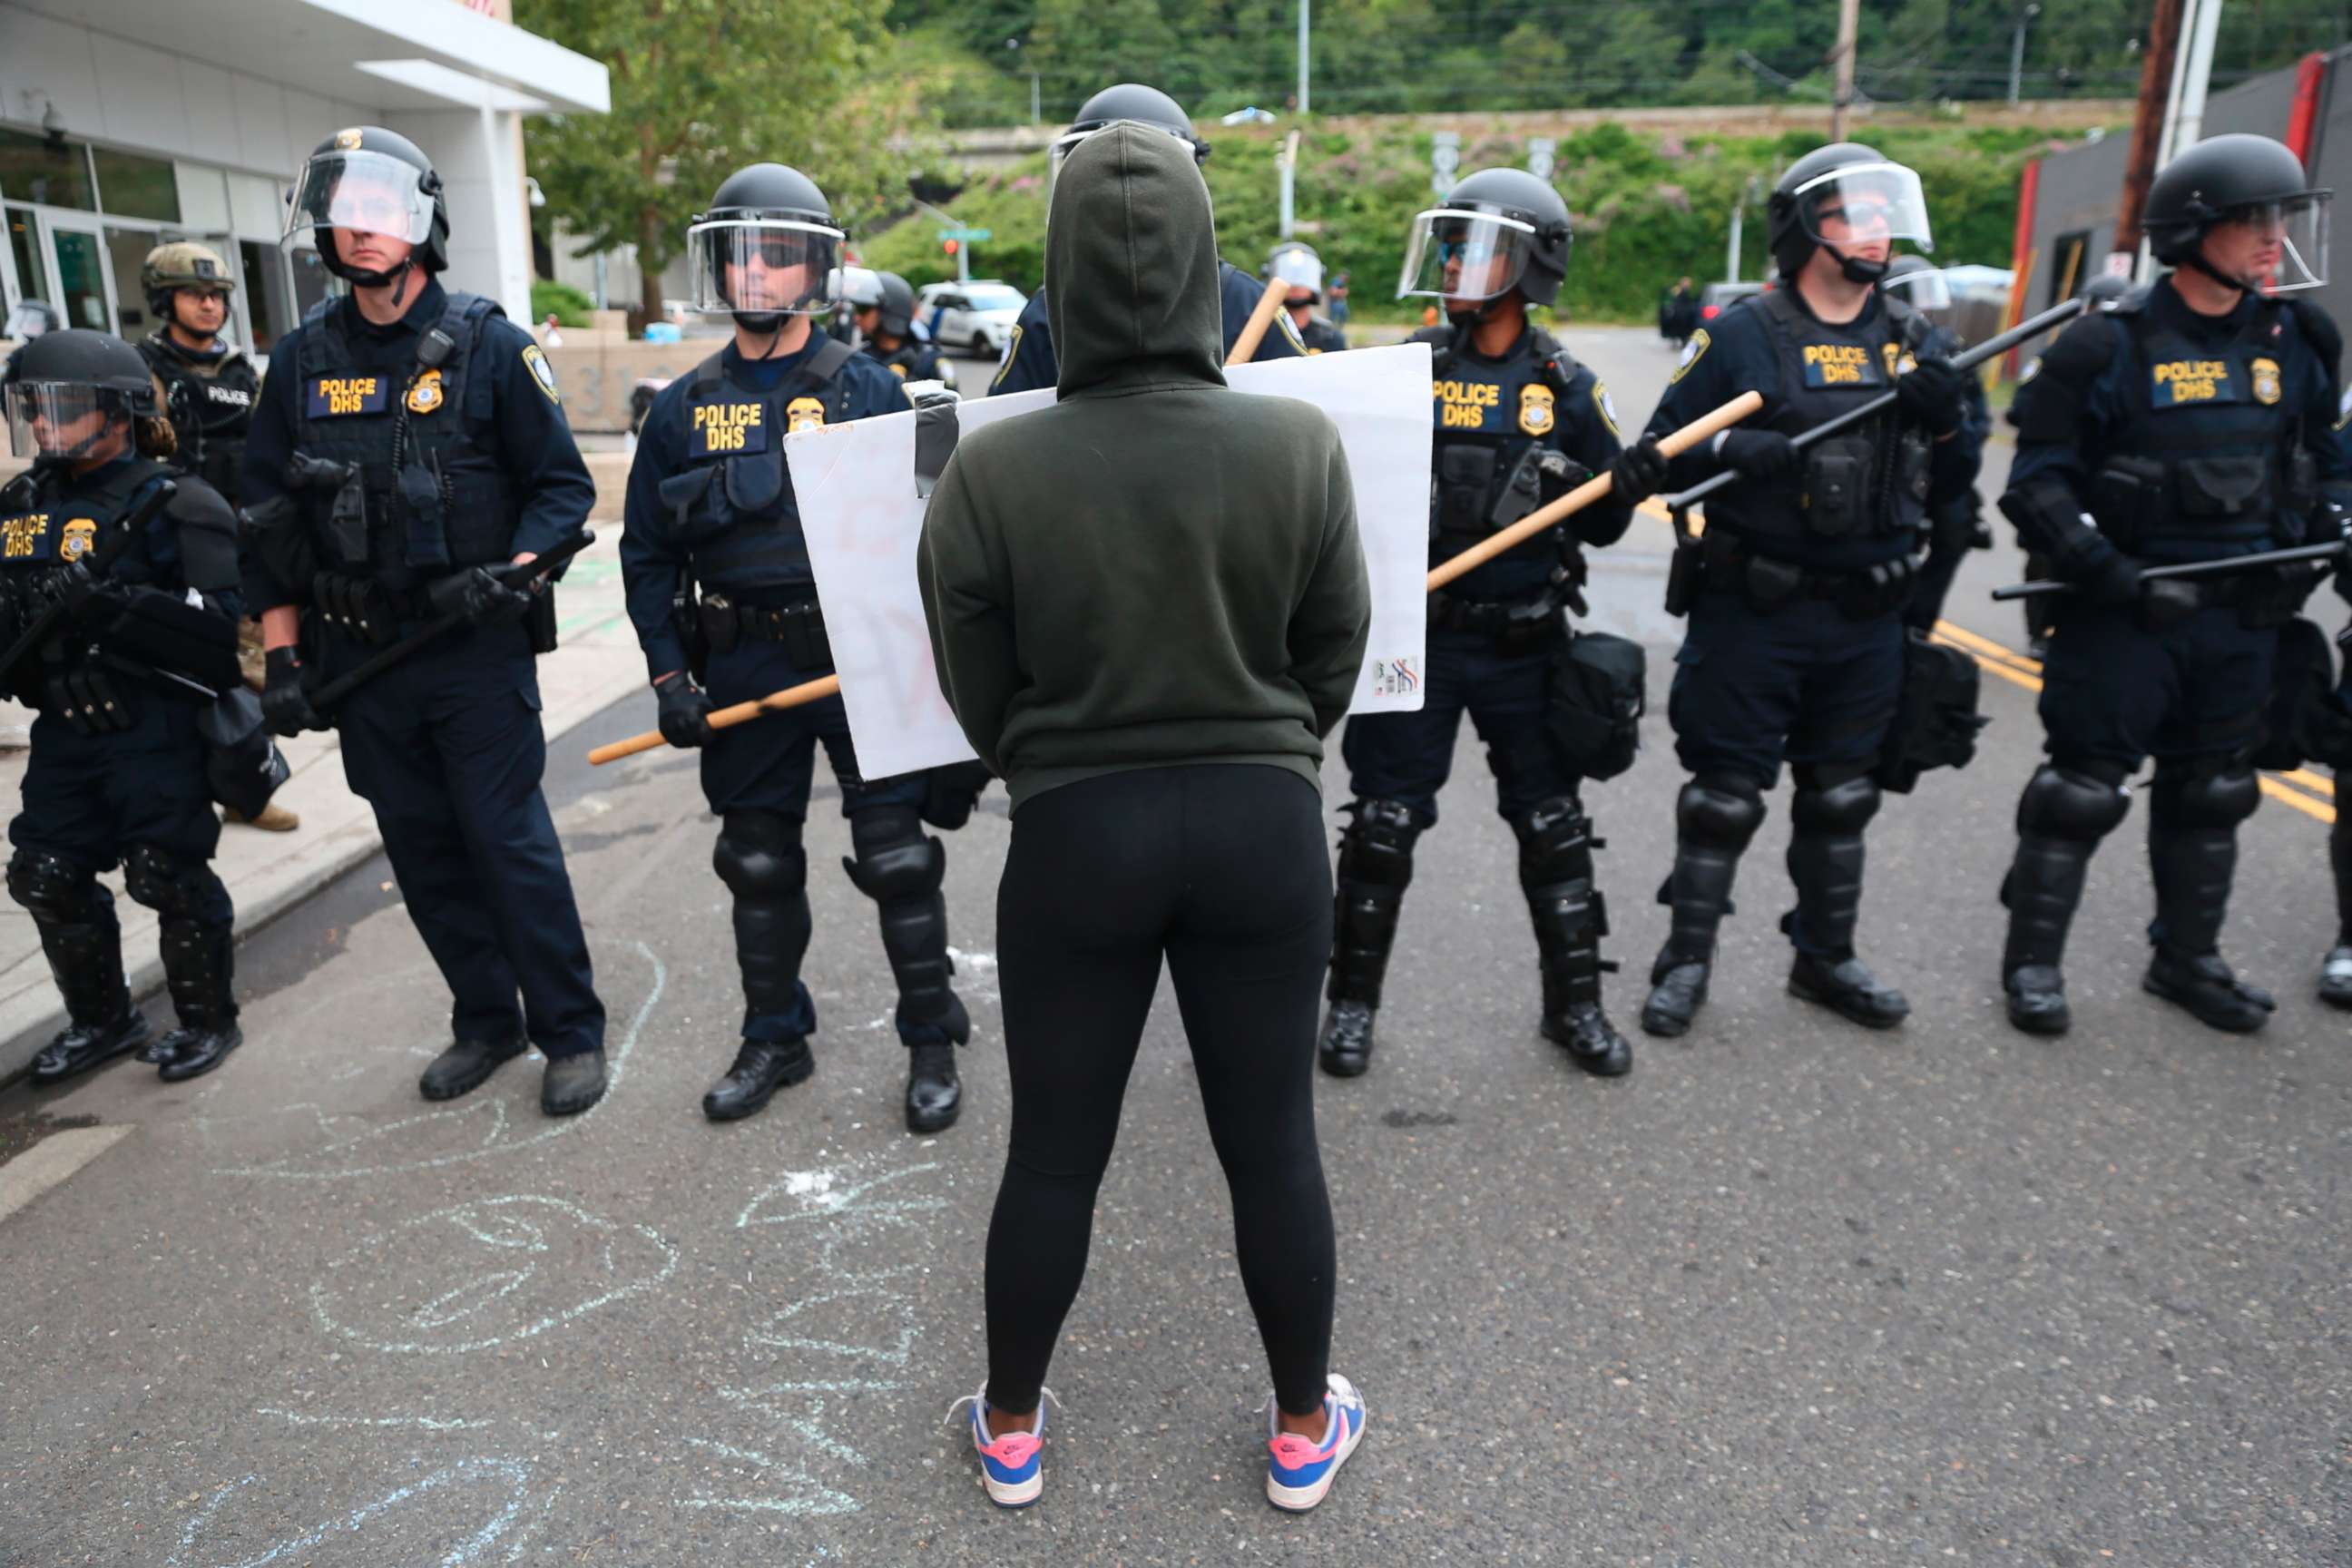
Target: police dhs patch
x: 425, y: 396
x: 541, y: 372
x: 2266, y: 381
x: 803, y: 413
x: 1536, y: 415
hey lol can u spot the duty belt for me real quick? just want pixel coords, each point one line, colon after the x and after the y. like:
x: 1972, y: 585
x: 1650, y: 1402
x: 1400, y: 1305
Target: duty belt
x: 799, y: 627
x: 1514, y: 624
x: 1729, y: 566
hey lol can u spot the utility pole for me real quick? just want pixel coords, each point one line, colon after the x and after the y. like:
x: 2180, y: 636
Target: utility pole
x: 1849, y: 24
x: 2157, y: 57
x: 2017, y: 51
x: 1305, y: 6
x: 1287, y: 166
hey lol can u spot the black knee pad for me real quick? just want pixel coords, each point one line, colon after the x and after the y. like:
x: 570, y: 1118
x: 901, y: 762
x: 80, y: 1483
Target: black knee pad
x: 758, y: 855
x: 1719, y: 811
x: 52, y: 887
x: 1555, y: 842
x: 2198, y: 798
x: 167, y: 883
x: 2062, y: 801
x: 1839, y: 808
x: 896, y: 861
x: 1376, y: 850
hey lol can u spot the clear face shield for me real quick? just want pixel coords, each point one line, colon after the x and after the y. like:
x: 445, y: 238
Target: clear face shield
x: 1863, y: 209
x: 765, y: 267
x: 65, y: 420
x: 1301, y: 271
x: 1464, y: 256
x: 2278, y: 248
x: 372, y: 193
x: 1925, y: 290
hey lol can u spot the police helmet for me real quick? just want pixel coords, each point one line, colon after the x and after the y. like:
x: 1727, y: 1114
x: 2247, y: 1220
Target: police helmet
x: 61, y: 379
x: 859, y: 287
x: 766, y: 247
x: 1918, y: 282
x: 1128, y: 103
x: 182, y: 264
x: 2246, y: 178
x: 2107, y: 289
x: 365, y: 177
x: 1296, y: 263
x: 898, y: 306
x: 1873, y: 198
x: 1499, y: 229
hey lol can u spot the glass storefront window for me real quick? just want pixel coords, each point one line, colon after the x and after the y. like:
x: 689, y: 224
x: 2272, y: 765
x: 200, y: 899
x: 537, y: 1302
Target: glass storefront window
x: 268, y: 299
x: 132, y: 186
x: 33, y: 168
x: 32, y: 277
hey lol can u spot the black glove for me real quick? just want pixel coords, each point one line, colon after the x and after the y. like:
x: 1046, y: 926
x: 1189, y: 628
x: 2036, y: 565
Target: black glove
x: 70, y: 584
x: 2166, y: 602
x: 1639, y: 472
x: 1928, y: 393
x: 685, y: 709
x: 2116, y: 582
x: 478, y: 593
x: 1759, y: 454
x: 286, y: 710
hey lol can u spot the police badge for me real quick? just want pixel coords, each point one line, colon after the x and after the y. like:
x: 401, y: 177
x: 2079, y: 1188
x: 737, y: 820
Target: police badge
x: 803, y: 413
x: 2266, y: 381
x: 1535, y: 414
x: 425, y: 395
x: 79, y: 540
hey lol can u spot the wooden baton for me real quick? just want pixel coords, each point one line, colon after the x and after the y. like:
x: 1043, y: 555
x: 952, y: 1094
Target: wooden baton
x: 1253, y: 330
x: 1596, y: 488
x: 799, y: 696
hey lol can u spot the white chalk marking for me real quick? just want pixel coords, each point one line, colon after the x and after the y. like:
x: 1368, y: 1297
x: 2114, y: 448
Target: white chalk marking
x: 52, y: 1160
x: 516, y: 1475
x: 816, y: 1502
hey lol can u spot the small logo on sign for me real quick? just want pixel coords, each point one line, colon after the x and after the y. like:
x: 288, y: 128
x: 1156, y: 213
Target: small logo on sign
x: 1395, y: 676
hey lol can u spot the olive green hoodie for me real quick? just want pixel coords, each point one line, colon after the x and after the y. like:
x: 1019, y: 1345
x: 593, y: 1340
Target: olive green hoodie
x: 1157, y: 570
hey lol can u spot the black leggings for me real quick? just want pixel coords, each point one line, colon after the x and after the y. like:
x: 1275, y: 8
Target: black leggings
x: 1222, y: 869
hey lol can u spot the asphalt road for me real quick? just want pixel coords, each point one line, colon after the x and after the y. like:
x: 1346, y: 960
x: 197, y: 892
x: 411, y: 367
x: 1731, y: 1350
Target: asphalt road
x: 1793, y: 1292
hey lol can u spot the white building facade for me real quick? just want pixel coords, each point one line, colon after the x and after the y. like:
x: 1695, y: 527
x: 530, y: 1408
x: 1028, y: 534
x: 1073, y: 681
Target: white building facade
x: 124, y: 123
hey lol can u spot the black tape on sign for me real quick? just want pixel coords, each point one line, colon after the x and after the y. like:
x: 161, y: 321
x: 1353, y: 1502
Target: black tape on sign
x: 935, y: 438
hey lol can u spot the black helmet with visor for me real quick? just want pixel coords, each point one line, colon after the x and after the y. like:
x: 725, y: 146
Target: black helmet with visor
x: 1128, y: 103
x: 766, y: 249
x: 2245, y: 180
x: 67, y: 391
x: 368, y: 180
x: 1845, y: 194
x: 1499, y: 229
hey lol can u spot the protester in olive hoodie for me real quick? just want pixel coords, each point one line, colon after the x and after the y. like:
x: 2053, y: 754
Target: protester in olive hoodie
x: 1148, y: 605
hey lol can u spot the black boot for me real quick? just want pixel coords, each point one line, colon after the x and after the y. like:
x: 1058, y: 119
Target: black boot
x: 2062, y: 814
x: 1714, y: 816
x: 2335, y: 969
x: 85, y: 959
x: 934, y: 1093
x: 1375, y: 869
x: 760, y: 1068
x: 572, y: 1082
x: 199, y: 961
x: 1825, y: 863
x: 2335, y: 977
x: 465, y: 1067
x: 2192, y: 851
x: 1556, y: 847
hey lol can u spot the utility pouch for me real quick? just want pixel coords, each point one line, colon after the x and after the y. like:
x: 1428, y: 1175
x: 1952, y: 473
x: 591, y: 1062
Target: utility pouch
x: 722, y: 623
x: 1936, y: 718
x: 1837, y: 486
x: 2223, y: 486
x: 1595, y: 697
x: 2131, y: 501
x: 1767, y: 585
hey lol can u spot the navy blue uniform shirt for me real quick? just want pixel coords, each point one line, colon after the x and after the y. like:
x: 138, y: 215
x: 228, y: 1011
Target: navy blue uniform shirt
x: 1029, y: 361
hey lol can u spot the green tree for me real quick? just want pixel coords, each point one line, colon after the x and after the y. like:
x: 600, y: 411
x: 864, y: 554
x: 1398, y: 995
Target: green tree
x: 701, y: 88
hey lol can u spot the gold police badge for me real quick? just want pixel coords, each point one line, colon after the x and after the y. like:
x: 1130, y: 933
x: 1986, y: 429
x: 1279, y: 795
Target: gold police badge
x: 425, y: 395
x: 899, y: 370
x: 803, y: 413
x: 1536, y: 412
x: 349, y: 139
x: 79, y: 540
x: 2266, y: 381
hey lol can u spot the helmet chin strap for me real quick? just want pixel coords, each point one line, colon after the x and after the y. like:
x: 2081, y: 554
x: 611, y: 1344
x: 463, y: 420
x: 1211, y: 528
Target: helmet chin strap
x: 1860, y: 270
x: 2196, y: 259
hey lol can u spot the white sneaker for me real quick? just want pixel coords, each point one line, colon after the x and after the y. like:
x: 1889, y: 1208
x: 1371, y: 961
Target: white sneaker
x: 1009, y: 1466
x: 1298, y: 1472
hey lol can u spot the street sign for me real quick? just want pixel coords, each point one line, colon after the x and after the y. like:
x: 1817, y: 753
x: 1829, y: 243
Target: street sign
x: 1540, y: 151
x: 1445, y: 158
x: 969, y: 235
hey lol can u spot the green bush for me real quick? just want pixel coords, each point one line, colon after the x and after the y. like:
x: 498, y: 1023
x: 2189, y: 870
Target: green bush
x: 568, y: 305
x: 1649, y: 208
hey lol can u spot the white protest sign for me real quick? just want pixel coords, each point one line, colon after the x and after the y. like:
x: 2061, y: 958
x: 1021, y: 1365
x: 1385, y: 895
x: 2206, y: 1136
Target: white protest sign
x: 856, y: 488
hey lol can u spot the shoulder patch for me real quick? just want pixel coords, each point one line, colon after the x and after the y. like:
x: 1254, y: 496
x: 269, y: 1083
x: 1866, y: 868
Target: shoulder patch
x: 1608, y: 407
x: 1012, y: 352
x: 541, y: 372
x: 1693, y: 352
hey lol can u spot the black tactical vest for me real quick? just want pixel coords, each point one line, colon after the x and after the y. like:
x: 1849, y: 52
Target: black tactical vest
x: 53, y: 530
x: 436, y: 499
x: 2209, y: 459
x: 1489, y: 416
x: 1870, y: 480
x: 210, y: 411
x: 731, y: 501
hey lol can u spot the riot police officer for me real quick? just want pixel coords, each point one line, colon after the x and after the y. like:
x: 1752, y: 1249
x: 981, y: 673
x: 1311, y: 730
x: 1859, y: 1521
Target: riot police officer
x: 711, y: 517
x: 2099, y: 294
x: 409, y: 445
x: 1297, y: 264
x: 1029, y: 361
x: 2191, y: 422
x: 1954, y: 525
x: 130, y: 565
x: 888, y: 325
x: 1796, y: 645
x: 1519, y: 423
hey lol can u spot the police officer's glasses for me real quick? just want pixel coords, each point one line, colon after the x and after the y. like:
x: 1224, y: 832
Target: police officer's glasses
x: 762, y: 267
x: 1865, y: 203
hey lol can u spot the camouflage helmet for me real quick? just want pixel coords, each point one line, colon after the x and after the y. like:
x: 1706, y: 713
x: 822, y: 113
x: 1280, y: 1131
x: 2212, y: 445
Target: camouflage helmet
x: 183, y: 264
